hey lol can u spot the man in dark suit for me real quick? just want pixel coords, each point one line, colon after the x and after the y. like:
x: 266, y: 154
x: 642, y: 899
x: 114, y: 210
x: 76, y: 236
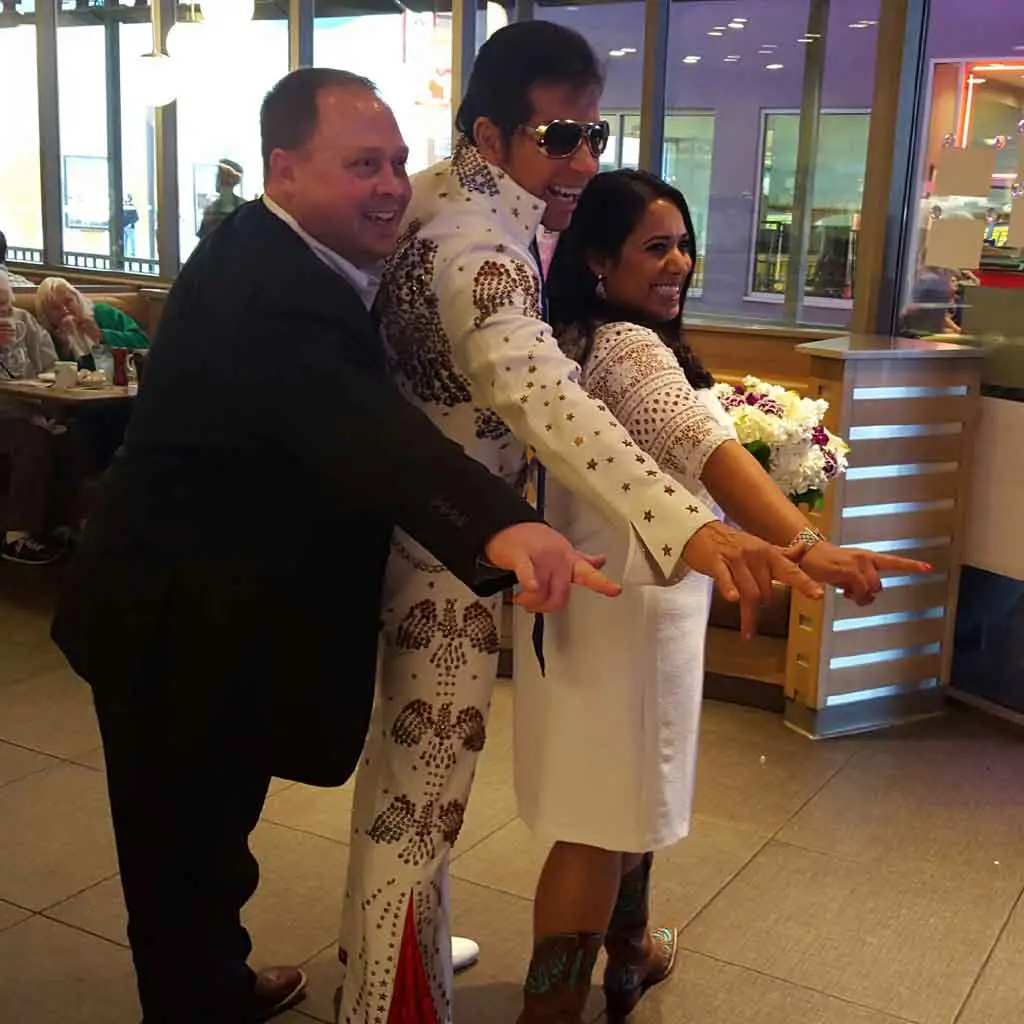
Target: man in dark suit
x: 224, y: 601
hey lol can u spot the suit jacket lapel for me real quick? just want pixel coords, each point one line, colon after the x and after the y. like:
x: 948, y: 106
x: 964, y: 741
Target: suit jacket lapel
x: 301, y: 283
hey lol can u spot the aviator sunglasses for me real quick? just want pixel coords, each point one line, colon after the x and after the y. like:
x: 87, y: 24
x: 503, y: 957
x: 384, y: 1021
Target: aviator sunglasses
x: 559, y: 140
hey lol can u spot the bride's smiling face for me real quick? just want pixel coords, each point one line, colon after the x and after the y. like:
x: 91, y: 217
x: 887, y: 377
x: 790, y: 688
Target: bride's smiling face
x: 652, y: 266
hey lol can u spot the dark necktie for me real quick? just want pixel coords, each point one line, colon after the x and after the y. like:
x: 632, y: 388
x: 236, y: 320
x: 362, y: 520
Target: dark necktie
x: 539, y: 479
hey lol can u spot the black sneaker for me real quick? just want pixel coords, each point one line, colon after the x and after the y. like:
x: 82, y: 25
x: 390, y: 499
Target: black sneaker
x: 31, y: 551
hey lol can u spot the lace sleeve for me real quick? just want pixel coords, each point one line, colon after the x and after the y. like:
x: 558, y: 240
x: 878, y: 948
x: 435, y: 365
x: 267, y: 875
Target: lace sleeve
x: 638, y: 377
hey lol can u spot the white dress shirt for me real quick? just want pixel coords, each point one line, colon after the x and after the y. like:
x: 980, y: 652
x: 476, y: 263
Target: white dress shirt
x: 365, y: 282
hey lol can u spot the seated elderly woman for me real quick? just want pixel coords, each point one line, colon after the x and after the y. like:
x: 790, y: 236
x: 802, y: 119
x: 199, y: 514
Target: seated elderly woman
x: 80, y: 327
x: 40, y: 492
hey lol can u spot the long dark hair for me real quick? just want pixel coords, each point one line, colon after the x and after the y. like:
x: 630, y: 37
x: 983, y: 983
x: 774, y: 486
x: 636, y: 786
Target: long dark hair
x: 608, y: 212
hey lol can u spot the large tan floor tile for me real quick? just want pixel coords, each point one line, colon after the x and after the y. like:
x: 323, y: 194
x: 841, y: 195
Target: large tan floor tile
x: 321, y: 811
x: 57, y: 837
x: 11, y: 915
x: 687, y: 876
x: 51, y: 712
x: 904, y: 940
x: 323, y: 972
x: 99, y: 910
x: 999, y: 993
x: 20, y: 661
x: 53, y: 974
x: 959, y: 803
x: 705, y: 991
x: 17, y: 762
x: 297, y: 907
x: 766, y: 727
x: 760, y: 784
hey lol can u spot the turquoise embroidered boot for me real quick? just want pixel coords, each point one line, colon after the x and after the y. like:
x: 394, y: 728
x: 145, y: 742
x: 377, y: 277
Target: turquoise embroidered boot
x: 638, y: 957
x: 558, y: 982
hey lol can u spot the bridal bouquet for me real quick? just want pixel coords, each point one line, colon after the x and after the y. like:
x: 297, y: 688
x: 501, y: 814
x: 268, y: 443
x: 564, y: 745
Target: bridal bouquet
x: 784, y: 433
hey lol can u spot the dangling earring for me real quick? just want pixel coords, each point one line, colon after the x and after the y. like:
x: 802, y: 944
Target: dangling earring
x: 600, y: 289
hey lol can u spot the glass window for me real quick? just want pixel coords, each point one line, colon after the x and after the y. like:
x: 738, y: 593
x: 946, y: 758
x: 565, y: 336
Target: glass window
x: 835, y: 204
x: 409, y: 56
x: 219, y: 124
x: 21, y: 217
x: 138, y: 154
x: 85, y: 180
x: 975, y: 289
x: 734, y: 91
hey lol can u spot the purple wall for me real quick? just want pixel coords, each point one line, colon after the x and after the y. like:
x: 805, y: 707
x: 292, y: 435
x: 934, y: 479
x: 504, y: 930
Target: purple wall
x: 739, y: 92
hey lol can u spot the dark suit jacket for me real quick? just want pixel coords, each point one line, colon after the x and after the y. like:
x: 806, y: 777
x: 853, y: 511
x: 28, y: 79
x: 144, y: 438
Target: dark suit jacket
x: 238, y: 547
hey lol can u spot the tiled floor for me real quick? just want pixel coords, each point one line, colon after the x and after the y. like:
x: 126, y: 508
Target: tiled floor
x: 867, y: 881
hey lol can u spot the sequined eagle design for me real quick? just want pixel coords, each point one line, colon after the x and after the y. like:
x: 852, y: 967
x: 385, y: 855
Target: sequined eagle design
x: 437, y: 731
x: 501, y: 283
x: 423, y: 628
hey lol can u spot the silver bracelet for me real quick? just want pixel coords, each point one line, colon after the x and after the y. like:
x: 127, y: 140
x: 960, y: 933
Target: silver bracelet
x: 809, y: 536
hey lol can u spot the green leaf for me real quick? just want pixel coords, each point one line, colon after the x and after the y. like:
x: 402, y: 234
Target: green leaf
x: 762, y: 452
x: 813, y: 498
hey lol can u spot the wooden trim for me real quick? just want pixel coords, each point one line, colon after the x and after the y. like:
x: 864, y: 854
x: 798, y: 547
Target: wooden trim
x: 900, y: 451
x: 927, y: 523
x: 910, y: 411
x: 914, y: 598
x: 915, y: 633
x: 922, y: 487
x: 901, y: 672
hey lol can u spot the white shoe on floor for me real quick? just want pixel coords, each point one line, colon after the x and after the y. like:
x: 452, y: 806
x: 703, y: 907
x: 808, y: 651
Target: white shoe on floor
x: 465, y: 953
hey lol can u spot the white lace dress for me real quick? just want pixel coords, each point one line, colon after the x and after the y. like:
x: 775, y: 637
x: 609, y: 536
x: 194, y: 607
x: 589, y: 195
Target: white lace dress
x: 606, y: 742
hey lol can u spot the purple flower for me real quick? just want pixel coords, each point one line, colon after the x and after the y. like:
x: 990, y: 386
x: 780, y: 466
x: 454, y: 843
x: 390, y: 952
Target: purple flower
x: 752, y: 398
x: 770, y: 407
x: 733, y: 401
x: 831, y: 464
x: 738, y: 389
x: 819, y: 436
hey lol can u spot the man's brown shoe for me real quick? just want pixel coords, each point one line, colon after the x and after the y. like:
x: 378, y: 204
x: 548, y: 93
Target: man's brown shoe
x: 276, y: 990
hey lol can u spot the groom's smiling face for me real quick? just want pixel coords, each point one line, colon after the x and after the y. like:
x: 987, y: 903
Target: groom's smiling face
x: 348, y: 185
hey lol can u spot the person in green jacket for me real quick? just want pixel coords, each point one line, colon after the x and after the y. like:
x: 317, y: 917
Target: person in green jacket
x: 80, y: 326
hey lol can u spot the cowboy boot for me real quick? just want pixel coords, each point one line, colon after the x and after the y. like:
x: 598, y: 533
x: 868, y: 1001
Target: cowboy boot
x: 638, y: 957
x: 558, y: 982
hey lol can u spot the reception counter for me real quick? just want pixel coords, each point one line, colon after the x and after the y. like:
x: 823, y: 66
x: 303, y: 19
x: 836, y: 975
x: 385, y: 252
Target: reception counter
x: 908, y: 409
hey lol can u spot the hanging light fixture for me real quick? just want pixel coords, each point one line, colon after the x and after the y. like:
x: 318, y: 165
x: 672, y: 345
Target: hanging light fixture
x: 227, y: 15
x: 158, y: 79
x: 187, y: 39
x: 497, y: 17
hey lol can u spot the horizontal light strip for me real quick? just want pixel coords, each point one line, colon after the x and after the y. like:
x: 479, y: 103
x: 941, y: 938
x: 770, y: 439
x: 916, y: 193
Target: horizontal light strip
x: 888, y: 431
x: 879, y: 657
x: 881, y: 691
x: 953, y: 391
x: 906, y: 544
x: 917, y: 580
x: 901, y: 469
x: 896, y: 508
x: 891, y: 619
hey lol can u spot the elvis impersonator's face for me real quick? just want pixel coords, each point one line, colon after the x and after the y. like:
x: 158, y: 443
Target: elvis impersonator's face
x: 536, y: 158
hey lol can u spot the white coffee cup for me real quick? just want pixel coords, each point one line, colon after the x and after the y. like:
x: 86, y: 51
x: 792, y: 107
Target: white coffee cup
x: 65, y: 375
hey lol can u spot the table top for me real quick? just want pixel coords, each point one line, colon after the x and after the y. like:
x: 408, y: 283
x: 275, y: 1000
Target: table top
x: 870, y: 346
x: 36, y: 390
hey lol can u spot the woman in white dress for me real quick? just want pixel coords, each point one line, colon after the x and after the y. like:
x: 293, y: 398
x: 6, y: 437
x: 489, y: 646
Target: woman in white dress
x: 606, y: 740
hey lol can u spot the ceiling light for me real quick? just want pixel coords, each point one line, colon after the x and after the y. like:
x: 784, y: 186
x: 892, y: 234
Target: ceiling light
x: 742, y: 21
x: 691, y: 59
x: 732, y: 58
x: 857, y: 24
x: 715, y: 32
x: 774, y: 67
x: 629, y: 49
x: 616, y: 53
x: 805, y: 39
x: 737, y: 24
